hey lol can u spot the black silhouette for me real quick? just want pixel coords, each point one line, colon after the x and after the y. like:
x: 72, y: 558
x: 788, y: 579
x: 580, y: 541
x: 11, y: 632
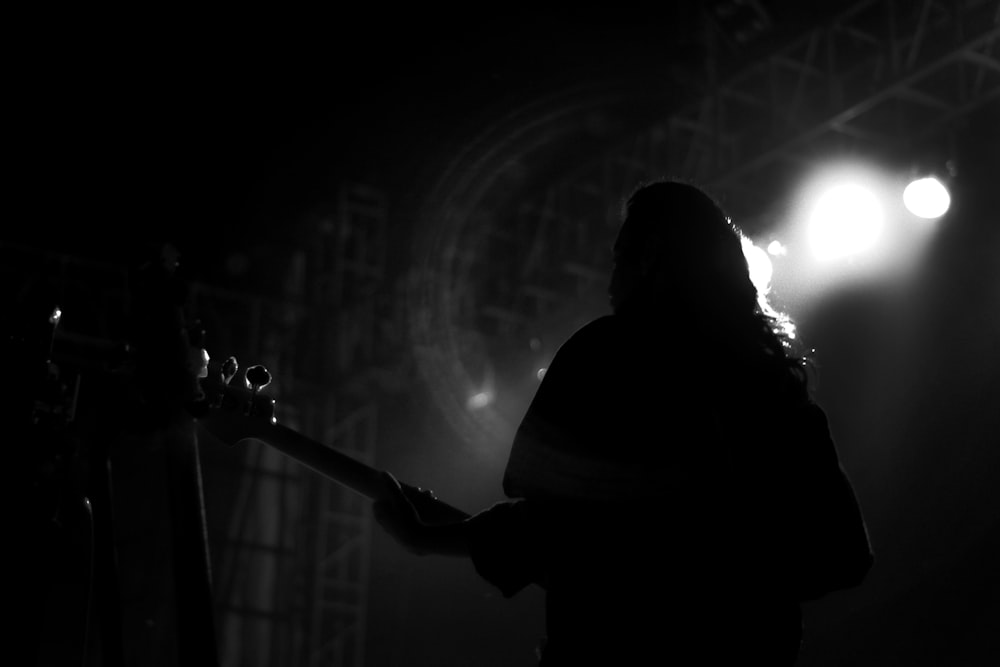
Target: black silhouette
x: 673, y: 486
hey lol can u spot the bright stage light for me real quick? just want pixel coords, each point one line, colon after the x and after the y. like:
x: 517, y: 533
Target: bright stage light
x: 846, y: 224
x: 847, y: 220
x: 927, y: 198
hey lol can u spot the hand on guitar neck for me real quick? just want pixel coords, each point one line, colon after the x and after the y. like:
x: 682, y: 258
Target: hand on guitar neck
x: 397, y: 514
x: 238, y: 411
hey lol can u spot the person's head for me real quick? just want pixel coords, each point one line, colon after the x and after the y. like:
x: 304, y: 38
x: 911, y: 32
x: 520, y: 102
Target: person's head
x: 679, y: 260
x: 677, y: 248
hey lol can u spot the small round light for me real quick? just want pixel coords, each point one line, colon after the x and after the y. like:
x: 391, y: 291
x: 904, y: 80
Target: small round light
x: 479, y: 401
x: 927, y: 198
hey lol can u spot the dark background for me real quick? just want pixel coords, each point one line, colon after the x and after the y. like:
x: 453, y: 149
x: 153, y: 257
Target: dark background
x: 218, y: 129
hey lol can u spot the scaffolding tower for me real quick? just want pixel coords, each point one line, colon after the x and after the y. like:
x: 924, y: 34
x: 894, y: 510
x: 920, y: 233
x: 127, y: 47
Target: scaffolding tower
x: 293, y: 558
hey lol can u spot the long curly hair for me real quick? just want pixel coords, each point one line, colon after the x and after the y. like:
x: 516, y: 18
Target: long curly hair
x: 693, y: 259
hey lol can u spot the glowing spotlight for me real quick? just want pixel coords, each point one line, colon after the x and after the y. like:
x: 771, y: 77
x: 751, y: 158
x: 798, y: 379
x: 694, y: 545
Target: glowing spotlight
x: 479, y: 401
x: 759, y: 265
x: 846, y: 221
x: 927, y: 198
x: 777, y: 249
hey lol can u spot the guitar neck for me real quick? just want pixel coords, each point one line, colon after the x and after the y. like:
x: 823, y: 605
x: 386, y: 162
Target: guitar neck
x: 331, y: 463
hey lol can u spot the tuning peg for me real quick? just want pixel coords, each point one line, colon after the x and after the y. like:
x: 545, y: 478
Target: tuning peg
x: 199, y: 361
x: 229, y: 368
x: 258, y: 377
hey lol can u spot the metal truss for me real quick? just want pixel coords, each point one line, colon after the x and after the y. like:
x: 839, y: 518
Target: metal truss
x: 886, y: 73
x: 340, y: 564
x: 885, y: 77
x: 290, y: 550
x: 293, y: 560
x: 347, y: 267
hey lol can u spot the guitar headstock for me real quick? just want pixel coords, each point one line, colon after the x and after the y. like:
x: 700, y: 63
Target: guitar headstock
x: 234, y: 406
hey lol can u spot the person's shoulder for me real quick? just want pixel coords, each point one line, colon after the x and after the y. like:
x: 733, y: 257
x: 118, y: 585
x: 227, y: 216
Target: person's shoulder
x: 599, y: 328
x: 586, y: 345
x: 596, y: 333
